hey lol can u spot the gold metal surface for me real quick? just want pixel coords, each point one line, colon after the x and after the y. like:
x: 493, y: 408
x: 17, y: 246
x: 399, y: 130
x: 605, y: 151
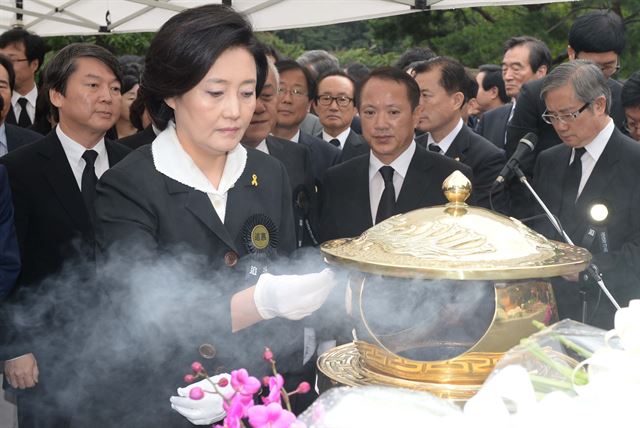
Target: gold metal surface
x: 455, y: 241
x: 456, y: 187
x: 345, y: 365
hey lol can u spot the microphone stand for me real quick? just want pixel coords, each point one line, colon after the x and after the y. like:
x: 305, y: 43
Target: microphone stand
x: 592, y: 269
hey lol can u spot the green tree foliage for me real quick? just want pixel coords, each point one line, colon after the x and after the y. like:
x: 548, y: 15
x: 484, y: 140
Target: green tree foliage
x: 474, y: 36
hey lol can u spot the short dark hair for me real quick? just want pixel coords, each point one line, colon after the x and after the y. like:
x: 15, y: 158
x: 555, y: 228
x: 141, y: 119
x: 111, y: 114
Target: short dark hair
x: 5, y: 62
x: 184, y: 50
x: 493, y: 78
x: 539, y: 53
x: 453, y: 76
x: 34, y: 45
x: 63, y: 64
x: 412, y: 55
x: 631, y: 91
x: 357, y: 71
x: 396, y: 75
x: 597, y: 31
x: 289, y: 64
x: 319, y: 61
x: 470, y: 89
x: 338, y: 72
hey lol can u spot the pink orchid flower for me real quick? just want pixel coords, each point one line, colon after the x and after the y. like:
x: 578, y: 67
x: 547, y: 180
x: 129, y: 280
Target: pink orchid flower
x: 243, y: 383
x: 271, y: 416
x: 275, y: 386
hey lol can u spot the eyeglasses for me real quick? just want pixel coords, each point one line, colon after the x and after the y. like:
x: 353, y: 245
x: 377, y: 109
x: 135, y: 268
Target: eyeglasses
x: 553, y: 119
x: 326, y: 100
x: 295, y: 92
x: 14, y: 60
x: 630, y: 125
x: 609, y: 69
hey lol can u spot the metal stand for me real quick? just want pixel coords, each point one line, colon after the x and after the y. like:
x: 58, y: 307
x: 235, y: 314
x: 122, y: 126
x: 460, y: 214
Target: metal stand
x: 592, y: 269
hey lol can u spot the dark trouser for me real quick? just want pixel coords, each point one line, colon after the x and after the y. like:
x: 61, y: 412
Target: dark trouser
x: 37, y: 408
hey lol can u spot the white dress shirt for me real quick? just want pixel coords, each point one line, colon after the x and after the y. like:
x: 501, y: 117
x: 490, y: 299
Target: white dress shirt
x: 593, y: 153
x: 446, y: 142
x: 342, y: 137
x: 4, y: 144
x: 263, y: 146
x: 376, y: 182
x: 31, y: 97
x: 74, y: 152
x: 170, y: 159
x: 296, y: 137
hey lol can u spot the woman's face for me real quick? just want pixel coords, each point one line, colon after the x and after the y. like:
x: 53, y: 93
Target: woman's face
x: 126, y: 100
x: 212, y: 116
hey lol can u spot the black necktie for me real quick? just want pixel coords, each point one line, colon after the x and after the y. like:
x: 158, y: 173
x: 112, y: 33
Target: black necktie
x: 570, y: 184
x: 388, y: 198
x: 23, y: 121
x: 89, y: 180
x: 335, y: 142
x: 435, y: 148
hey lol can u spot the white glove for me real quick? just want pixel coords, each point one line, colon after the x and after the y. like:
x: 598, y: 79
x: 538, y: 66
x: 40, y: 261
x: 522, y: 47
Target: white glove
x: 292, y: 296
x: 206, y: 410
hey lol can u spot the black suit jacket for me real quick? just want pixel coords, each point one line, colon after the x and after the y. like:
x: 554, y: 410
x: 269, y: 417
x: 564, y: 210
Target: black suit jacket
x: 146, y: 136
x: 614, y: 182
x: 297, y: 162
x: 354, y: 145
x: 486, y: 161
x: 493, y: 124
x: 10, y: 255
x: 52, y: 223
x: 346, y: 208
x: 323, y: 154
x: 527, y: 117
x: 18, y: 137
x: 141, y: 210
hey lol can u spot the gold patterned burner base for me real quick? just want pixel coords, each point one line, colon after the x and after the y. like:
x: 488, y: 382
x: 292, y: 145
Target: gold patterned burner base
x: 345, y: 365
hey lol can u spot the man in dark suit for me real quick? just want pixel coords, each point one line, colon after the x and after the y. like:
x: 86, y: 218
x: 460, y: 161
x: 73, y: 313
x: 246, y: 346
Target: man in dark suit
x: 9, y: 256
x: 597, y: 164
x: 53, y: 186
x: 295, y: 94
x: 335, y: 105
x: 26, y: 51
x: 596, y: 36
x: 631, y: 103
x: 448, y: 135
x: 493, y: 103
x: 11, y: 136
x: 397, y: 175
x: 294, y: 157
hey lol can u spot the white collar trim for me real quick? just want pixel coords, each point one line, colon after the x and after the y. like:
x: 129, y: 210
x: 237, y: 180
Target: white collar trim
x: 170, y: 159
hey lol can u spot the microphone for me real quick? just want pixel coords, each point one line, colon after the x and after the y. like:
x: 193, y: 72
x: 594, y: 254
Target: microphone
x: 525, y: 146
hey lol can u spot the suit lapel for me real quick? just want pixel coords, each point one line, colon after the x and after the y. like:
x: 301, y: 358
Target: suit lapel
x: 415, y: 185
x: 598, y: 181
x: 360, y: 195
x: 58, y: 173
x: 11, y: 117
x: 199, y: 205
x: 459, y: 145
x: 114, y: 153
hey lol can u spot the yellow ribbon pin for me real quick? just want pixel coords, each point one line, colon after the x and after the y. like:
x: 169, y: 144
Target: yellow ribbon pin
x: 254, y: 180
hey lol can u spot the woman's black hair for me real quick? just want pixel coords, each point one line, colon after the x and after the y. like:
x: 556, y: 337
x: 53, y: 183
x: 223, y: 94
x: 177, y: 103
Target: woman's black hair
x: 186, y: 47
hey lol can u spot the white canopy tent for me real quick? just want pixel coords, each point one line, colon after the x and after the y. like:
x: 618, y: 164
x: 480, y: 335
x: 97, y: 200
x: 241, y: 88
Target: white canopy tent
x: 75, y: 17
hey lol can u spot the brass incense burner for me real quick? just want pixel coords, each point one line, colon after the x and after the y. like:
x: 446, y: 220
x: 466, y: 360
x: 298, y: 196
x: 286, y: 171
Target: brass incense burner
x: 438, y: 294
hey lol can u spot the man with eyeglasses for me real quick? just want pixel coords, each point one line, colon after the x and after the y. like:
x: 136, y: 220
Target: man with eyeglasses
x: 335, y: 105
x: 597, y: 36
x: 597, y: 164
x: 631, y: 105
x: 26, y: 51
x: 296, y: 92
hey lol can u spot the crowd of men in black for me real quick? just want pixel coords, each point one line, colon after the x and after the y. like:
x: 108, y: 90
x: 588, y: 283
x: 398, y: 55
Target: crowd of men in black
x: 358, y: 146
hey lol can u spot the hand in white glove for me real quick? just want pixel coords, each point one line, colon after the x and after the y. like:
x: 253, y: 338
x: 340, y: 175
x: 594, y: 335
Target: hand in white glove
x: 292, y: 296
x: 206, y: 410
